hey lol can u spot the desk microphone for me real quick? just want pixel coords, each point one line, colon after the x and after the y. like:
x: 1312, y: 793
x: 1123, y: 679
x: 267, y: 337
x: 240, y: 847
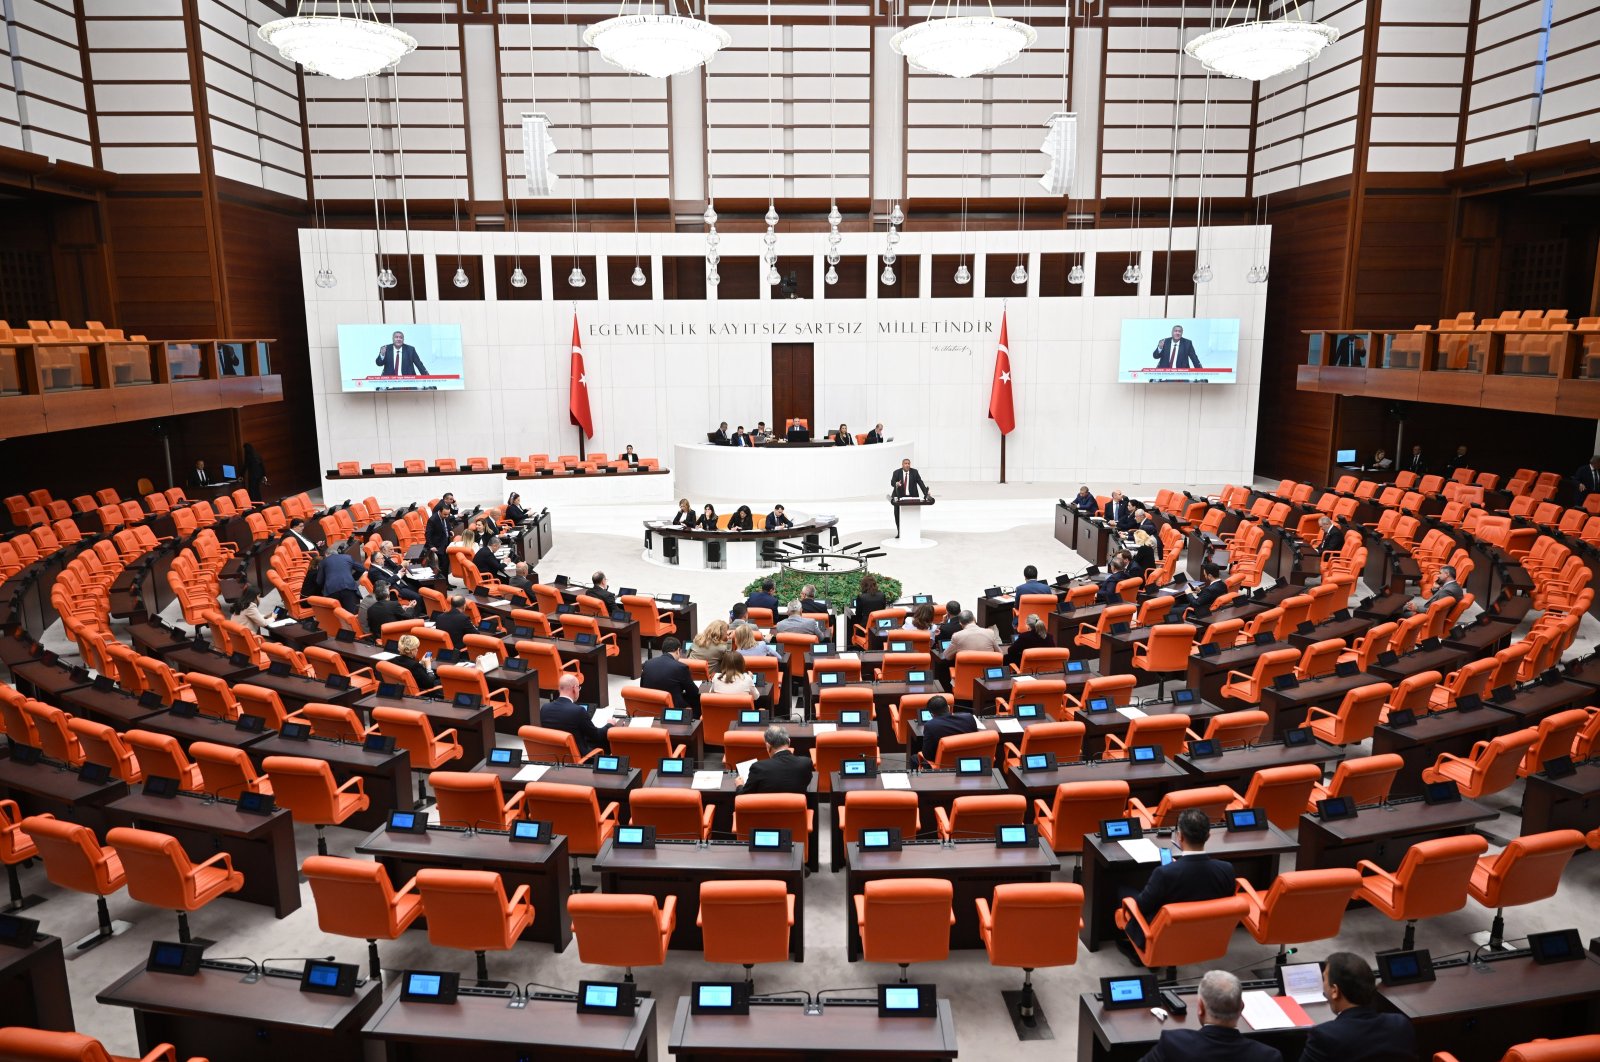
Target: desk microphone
x: 220, y: 964
x: 262, y: 966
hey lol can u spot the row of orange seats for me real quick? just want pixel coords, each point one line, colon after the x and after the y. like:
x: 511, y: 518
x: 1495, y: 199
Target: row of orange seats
x: 532, y: 464
x: 61, y: 332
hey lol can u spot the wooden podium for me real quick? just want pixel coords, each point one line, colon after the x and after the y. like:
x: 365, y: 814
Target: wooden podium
x: 910, y: 536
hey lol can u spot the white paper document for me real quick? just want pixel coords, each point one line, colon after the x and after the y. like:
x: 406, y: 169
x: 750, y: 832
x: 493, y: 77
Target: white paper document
x: 282, y: 623
x: 1143, y: 850
x: 384, y: 656
x: 848, y: 656
x: 895, y: 780
x: 1008, y: 726
x: 1130, y: 712
x: 709, y: 779
x: 1302, y: 982
x: 531, y: 773
x: 601, y: 716
x: 640, y: 720
x: 824, y: 728
x: 1262, y: 1012
x: 744, y: 768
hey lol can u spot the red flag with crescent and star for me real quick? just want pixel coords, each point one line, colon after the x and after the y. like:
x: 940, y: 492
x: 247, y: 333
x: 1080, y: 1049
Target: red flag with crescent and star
x: 578, y: 397
x: 1001, y: 411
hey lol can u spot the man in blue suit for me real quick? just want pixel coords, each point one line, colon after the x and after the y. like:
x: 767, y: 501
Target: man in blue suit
x: 341, y: 575
x: 1218, y: 1039
x: 1030, y: 583
x: 764, y: 598
x: 1192, y: 875
x: 1357, y: 1033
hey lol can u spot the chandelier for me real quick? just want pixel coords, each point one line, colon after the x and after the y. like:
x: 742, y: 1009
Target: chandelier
x: 1256, y: 51
x: 341, y: 46
x: 962, y: 45
x: 656, y: 45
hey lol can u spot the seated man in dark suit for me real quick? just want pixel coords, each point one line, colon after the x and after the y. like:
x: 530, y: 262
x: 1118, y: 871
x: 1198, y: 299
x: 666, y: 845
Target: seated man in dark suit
x: 809, y: 603
x: 778, y: 518
x: 600, y: 589
x: 564, y: 713
x: 1357, y: 1033
x: 486, y: 562
x: 764, y: 598
x: 1210, y: 588
x: 523, y: 578
x: 1117, y: 571
x: 1192, y: 875
x: 944, y: 723
x: 798, y: 433
x: 782, y: 771
x: 1118, y: 512
x: 456, y: 623
x: 1220, y: 1001
x: 667, y: 671
x: 384, y: 609
x: 1030, y: 583
x: 720, y: 436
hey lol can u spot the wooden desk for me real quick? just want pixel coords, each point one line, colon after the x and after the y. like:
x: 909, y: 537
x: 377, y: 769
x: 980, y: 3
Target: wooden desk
x: 1419, y: 746
x: 214, y: 1014
x: 986, y: 691
x: 677, y: 868
x: 1116, y: 650
x: 484, y: 1027
x: 1533, y: 703
x: 1092, y: 540
x: 262, y: 846
x: 44, y: 788
x: 721, y: 802
x: 974, y: 868
x: 784, y: 1031
x: 1286, y: 709
x: 607, y: 788
x: 524, y: 685
x: 1383, y: 833
x: 113, y: 707
x: 297, y: 691
x: 1562, y: 803
x: 1348, y: 629
x: 208, y: 662
x: 544, y: 868
x: 1126, y: 1035
x: 474, y: 727
x: 33, y: 986
x: 1146, y: 781
x: 1480, y: 1013
x: 934, y: 789
x: 45, y: 682
x: 1108, y: 869
x: 1443, y: 660
x: 1235, y: 767
x: 883, y: 695
x: 154, y: 639
x: 1100, y: 725
x: 385, y: 777
x: 199, y: 728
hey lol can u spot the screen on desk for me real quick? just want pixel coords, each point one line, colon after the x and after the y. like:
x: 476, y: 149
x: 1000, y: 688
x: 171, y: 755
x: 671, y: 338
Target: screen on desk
x: 1127, y: 990
x: 902, y: 998
x: 1179, y: 350
x: 414, y: 357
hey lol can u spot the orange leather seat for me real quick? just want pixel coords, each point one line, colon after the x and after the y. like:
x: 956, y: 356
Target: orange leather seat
x: 456, y: 679
x: 745, y: 922
x: 1235, y: 729
x: 159, y: 873
x: 1490, y: 767
x: 719, y: 711
x: 74, y: 859
x: 833, y: 749
x: 413, y: 733
x: 741, y: 745
x: 1526, y: 871
x: 645, y: 747
x: 1269, y: 665
x: 775, y: 811
x: 305, y: 786
x: 21, y: 1044
x: 225, y: 770
x: 679, y: 814
x: 1063, y: 739
x: 1282, y: 793
x: 474, y: 800
x: 160, y: 756
x: 1211, y: 799
x: 1165, y: 652
x: 1078, y: 809
x: 1432, y: 880
x: 1364, y: 779
x: 1301, y: 906
x: 333, y: 721
x: 1170, y: 731
x: 952, y: 749
x: 879, y: 809
x: 544, y: 745
x: 980, y: 816
x: 1584, y: 1048
x: 648, y: 703
x: 573, y: 812
x: 468, y: 909
x: 622, y: 930
x: 15, y: 847
x: 1031, y: 925
x: 354, y: 898
x: 1184, y: 933
x: 905, y: 920
x: 1356, y: 718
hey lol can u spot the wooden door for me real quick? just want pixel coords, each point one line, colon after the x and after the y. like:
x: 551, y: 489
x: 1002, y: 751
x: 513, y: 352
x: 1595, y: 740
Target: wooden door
x: 793, y: 391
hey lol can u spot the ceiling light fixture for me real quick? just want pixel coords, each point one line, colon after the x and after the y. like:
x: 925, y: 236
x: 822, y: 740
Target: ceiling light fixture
x: 958, y: 45
x: 1257, y: 50
x: 656, y: 44
x: 341, y: 46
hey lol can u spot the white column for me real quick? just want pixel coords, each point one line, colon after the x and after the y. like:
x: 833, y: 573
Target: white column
x: 888, y: 109
x: 479, y: 64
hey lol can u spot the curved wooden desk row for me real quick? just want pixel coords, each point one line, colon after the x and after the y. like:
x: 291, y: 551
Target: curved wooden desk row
x: 667, y: 543
x: 490, y: 486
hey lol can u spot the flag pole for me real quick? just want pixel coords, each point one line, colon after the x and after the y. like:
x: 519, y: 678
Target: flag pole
x: 1004, y: 303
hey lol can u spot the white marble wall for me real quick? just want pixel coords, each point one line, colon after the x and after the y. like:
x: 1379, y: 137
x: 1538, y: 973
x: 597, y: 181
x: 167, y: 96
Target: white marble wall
x: 665, y: 372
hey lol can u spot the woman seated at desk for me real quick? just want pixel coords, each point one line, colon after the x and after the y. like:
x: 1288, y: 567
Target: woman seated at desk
x: 731, y: 676
x: 708, y: 518
x: 515, y: 513
x: 711, y: 642
x: 1035, y: 636
x: 742, y: 519
x: 685, y: 516
x: 842, y: 437
x: 746, y: 643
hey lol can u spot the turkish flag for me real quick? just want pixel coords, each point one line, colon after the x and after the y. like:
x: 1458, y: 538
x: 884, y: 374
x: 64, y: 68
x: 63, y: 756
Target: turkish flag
x: 578, y: 397
x: 1001, y: 410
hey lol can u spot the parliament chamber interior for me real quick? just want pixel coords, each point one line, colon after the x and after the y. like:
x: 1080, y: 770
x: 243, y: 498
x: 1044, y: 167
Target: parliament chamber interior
x: 1075, y: 540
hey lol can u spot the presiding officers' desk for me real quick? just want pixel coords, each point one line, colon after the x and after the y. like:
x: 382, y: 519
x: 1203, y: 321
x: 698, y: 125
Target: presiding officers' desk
x: 1127, y: 1035
x: 784, y: 473
x: 783, y: 1030
x: 544, y: 868
x: 385, y: 776
x: 216, y: 1014
x: 678, y: 868
x: 1382, y: 833
x: 262, y: 846
x: 973, y: 868
x: 33, y: 986
x: 1108, y: 869
x: 484, y: 1027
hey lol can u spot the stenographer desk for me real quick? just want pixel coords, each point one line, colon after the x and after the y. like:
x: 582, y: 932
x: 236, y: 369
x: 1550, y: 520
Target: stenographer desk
x: 691, y: 550
x: 545, y: 868
x: 973, y: 868
x: 216, y: 1014
x: 785, y: 1031
x: 1108, y: 869
x: 678, y: 868
x: 485, y: 1027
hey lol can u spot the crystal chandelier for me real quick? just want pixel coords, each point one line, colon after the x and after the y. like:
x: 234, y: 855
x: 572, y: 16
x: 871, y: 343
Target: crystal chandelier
x: 1256, y: 51
x: 341, y: 46
x: 656, y: 45
x: 962, y: 45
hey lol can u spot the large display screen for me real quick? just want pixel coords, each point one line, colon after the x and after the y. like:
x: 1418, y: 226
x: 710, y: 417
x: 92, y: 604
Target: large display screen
x: 1179, y: 350
x: 386, y: 357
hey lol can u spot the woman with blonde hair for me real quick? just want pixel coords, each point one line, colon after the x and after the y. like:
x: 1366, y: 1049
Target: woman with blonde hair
x: 711, y: 642
x: 747, y: 644
x: 731, y: 676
